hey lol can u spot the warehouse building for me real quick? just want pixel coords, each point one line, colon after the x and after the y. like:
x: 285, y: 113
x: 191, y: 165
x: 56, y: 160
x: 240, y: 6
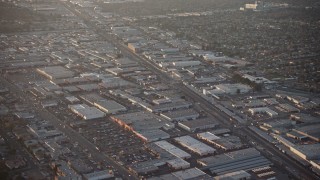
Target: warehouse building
x: 263, y: 110
x: 186, y: 63
x: 181, y: 115
x: 107, y: 106
x: 198, y: 124
x: 91, y: 98
x: 162, y: 107
x: 225, y: 143
x: 178, y: 163
x: 311, y: 131
x: 233, y: 88
x: 287, y: 108
x: 145, y: 125
x: 237, y: 175
x: 307, y: 152
x: 207, y: 136
x: 98, y: 175
x: 195, y: 145
x: 173, y: 150
x: 110, y: 106
x: 245, y: 159
x: 188, y: 174
x: 271, y: 101
x: 72, y: 99
x: 55, y: 72
x: 279, y: 123
x: 86, y: 112
x: 152, y: 135
x: 255, y: 103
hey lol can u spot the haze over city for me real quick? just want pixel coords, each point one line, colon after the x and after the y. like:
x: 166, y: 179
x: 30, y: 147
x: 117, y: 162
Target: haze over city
x: 160, y: 89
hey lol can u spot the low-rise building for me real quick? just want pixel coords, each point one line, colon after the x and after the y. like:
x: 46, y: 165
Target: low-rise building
x: 55, y: 72
x: 99, y: 175
x: 173, y: 149
x: 237, y: 175
x: 263, y: 110
x: 195, y: 145
x: 181, y: 115
x: 245, y: 159
x: 110, y: 106
x: 198, y: 124
x: 86, y: 112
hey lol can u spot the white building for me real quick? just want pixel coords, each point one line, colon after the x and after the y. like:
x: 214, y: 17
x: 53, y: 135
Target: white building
x: 186, y: 63
x: 86, y: 112
x: 263, y: 110
x: 195, y: 145
x: 173, y: 149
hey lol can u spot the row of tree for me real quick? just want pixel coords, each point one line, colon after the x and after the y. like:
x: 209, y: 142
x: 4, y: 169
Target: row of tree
x: 255, y: 86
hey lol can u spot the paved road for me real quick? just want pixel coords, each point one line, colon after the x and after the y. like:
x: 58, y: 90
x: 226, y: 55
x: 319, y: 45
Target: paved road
x: 69, y: 132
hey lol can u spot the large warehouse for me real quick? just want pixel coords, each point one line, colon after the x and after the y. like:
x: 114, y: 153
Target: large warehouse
x: 110, y: 106
x: 195, y: 145
x: 173, y: 149
x: 198, y: 124
x: 55, y: 72
x: 145, y: 125
x: 86, y: 112
x: 180, y: 115
x: 245, y: 159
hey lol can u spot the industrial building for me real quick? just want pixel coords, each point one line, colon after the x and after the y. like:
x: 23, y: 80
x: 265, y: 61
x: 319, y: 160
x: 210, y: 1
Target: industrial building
x: 311, y: 131
x: 263, y: 110
x: 98, y: 175
x: 195, y: 145
x: 225, y: 143
x: 86, y: 112
x: 55, y: 72
x: 152, y: 135
x: 163, y: 107
x: 110, y: 106
x: 180, y: 115
x: 178, y: 163
x: 188, y: 174
x: 207, y: 136
x: 186, y: 63
x: 287, y: 108
x: 279, y: 123
x: 198, y: 124
x: 271, y: 101
x: 237, y: 175
x: 145, y: 125
x: 255, y: 103
x: 231, y: 89
x: 228, y: 143
x: 173, y: 150
x: 307, y: 152
x: 107, y: 106
x: 72, y: 99
x: 245, y: 159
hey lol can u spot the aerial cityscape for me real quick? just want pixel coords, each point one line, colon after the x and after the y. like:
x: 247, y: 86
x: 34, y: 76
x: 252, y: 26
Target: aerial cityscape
x: 160, y: 89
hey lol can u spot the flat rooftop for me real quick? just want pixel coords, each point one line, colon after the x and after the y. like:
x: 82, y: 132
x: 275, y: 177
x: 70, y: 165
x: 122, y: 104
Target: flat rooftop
x: 199, y: 122
x: 56, y: 72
